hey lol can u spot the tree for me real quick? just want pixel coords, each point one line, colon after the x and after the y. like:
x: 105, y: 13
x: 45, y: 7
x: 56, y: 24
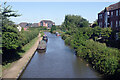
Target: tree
x: 74, y: 21
x: 95, y: 24
x: 53, y: 28
x: 10, y: 35
x: 105, y: 33
x: 6, y: 11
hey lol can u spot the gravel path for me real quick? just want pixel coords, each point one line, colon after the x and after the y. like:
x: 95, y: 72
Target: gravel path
x: 17, y: 67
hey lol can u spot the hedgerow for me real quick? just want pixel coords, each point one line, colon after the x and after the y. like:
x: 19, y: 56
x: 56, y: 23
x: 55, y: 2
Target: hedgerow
x: 84, y: 40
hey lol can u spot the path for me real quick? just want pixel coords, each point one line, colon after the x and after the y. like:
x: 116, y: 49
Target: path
x: 17, y: 67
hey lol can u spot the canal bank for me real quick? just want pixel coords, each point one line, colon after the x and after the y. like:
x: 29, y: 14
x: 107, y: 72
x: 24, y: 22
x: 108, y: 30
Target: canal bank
x: 16, y: 68
x: 59, y: 61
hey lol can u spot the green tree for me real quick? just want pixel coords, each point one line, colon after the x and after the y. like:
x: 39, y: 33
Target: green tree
x: 6, y: 11
x: 53, y: 28
x: 10, y: 36
x: 74, y: 21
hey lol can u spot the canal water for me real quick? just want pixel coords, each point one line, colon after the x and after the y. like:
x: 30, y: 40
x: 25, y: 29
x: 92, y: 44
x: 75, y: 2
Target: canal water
x: 59, y: 61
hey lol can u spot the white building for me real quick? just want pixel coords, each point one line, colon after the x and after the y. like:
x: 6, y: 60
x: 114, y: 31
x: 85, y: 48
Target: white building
x: 19, y: 28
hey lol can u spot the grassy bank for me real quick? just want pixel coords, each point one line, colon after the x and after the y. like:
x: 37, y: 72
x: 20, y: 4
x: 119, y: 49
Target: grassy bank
x: 21, y: 53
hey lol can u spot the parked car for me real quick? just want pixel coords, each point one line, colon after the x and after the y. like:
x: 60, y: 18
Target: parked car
x: 45, y: 38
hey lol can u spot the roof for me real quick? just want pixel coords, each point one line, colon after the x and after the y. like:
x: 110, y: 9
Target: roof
x: 35, y: 25
x: 46, y: 21
x: 115, y: 6
x: 23, y: 24
x: 112, y: 7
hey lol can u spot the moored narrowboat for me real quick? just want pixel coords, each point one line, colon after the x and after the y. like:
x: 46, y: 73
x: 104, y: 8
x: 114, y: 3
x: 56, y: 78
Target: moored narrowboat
x: 42, y: 45
x: 45, y: 38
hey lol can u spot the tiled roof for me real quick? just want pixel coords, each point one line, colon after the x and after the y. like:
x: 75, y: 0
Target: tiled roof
x: 23, y: 24
x: 46, y: 21
x: 35, y: 25
x: 112, y: 7
x: 115, y: 6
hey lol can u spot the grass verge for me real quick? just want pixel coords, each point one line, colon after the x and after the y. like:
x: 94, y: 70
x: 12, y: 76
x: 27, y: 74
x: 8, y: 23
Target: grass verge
x: 21, y: 53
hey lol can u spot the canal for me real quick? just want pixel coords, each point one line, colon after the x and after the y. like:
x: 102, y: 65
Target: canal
x: 59, y: 61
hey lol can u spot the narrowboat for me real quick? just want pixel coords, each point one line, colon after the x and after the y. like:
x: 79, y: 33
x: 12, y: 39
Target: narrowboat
x: 45, y: 38
x: 42, y: 45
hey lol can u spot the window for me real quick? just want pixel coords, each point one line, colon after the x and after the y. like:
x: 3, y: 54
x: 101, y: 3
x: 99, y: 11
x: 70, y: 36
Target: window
x: 116, y: 23
x: 119, y: 22
x: 100, y: 16
x: 101, y: 24
x: 111, y: 23
x: 117, y: 36
x: 111, y: 13
x: 116, y: 12
x: 41, y: 24
x: 119, y: 11
x: 108, y: 13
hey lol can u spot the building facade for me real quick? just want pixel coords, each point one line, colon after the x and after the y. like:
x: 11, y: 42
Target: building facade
x: 46, y: 23
x: 25, y: 25
x: 110, y: 17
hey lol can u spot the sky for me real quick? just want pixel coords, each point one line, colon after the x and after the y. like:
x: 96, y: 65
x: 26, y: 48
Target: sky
x: 34, y: 12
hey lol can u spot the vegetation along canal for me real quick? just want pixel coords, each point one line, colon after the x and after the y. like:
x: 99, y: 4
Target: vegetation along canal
x: 59, y: 61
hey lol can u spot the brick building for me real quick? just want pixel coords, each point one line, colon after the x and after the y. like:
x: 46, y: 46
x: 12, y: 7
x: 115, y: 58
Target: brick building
x: 34, y: 25
x: 110, y: 17
x: 46, y: 23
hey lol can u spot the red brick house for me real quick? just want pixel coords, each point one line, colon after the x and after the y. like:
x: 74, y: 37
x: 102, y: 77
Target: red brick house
x: 24, y: 25
x: 110, y: 17
x: 46, y: 23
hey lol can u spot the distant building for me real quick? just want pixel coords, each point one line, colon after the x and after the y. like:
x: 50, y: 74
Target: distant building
x: 110, y: 17
x: 46, y: 23
x: 19, y: 28
x: 34, y: 25
x: 24, y: 25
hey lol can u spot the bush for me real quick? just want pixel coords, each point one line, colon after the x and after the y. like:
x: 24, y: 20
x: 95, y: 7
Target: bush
x: 101, y: 57
x: 82, y: 38
x: 10, y: 38
x: 29, y: 35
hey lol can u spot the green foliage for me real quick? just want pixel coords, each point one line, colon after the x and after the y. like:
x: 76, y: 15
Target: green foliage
x: 42, y: 28
x: 10, y: 38
x: 53, y: 28
x: 74, y: 21
x: 95, y: 24
x: 6, y: 12
x: 100, y: 56
x: 27, y: 36
x: 82, y: 40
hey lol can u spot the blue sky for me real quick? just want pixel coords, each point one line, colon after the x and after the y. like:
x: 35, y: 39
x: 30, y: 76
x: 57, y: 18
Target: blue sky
x: 34, y: 12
